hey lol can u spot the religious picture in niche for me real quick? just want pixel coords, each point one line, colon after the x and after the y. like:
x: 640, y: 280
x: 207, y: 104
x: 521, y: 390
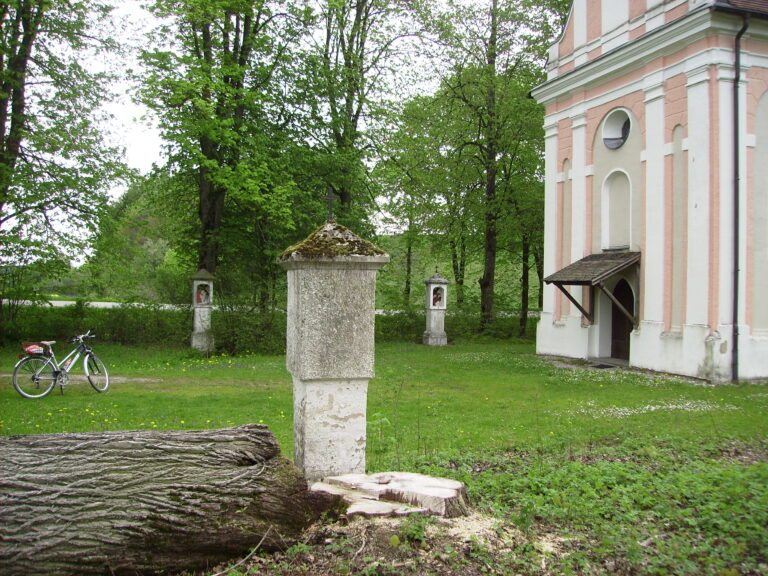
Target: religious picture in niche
x: 437, y: 297
x: 203, y: 295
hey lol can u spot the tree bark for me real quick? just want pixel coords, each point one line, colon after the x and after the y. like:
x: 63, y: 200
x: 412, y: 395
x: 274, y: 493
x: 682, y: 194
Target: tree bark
x: 459, y: 263
x: 539, y: 260
x: 488, y: 280
x: 21, y: 30
x: 146, y: 502
x: 408, y: 268
x: 524, y: 286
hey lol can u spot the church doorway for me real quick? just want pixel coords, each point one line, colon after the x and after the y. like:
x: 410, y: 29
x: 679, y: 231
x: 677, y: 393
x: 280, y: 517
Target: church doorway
x: 621, y: 326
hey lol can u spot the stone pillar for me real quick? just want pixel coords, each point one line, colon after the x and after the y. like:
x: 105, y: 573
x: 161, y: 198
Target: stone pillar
x: 202, y: 302
x: 330, y: 347
x: 437, y: 296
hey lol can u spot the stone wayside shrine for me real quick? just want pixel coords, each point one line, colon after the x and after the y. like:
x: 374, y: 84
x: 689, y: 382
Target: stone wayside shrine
x: 202, y: 303
x: 330, y: 354
x: 330, y: 347
x: 437, y: 296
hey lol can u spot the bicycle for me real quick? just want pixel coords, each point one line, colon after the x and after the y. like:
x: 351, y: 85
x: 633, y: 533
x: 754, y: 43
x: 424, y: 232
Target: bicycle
x: 37, y: 372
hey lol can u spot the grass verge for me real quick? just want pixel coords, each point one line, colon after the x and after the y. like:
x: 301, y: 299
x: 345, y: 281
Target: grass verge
x: 589, y: 471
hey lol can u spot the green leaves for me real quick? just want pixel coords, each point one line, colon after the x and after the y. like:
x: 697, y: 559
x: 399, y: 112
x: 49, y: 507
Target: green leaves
x: 213, y: 92
x: 55, y: 167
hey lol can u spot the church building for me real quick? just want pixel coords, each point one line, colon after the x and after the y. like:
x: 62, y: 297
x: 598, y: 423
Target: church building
x: 656, y: 217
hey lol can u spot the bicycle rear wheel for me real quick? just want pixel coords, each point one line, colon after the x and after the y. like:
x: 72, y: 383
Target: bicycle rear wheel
x: 96, y: 372
x: 34, y: 377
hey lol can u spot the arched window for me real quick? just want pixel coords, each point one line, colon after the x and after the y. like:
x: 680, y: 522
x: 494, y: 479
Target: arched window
x: 616, y: 129
x: 616, y: 210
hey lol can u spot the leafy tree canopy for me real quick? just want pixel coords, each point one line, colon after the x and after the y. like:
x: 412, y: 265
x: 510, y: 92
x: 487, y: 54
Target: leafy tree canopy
x: 55, y: 168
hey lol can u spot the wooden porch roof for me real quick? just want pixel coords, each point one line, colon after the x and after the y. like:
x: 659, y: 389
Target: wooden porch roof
x: 593, y: 269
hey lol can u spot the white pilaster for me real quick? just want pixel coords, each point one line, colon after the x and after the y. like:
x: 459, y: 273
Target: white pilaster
x: 724, y: 217
x: 655, y: 213
x: 550, y: 212
x: 579, y: 23
x: 697, y: 274
x: 579, y: 188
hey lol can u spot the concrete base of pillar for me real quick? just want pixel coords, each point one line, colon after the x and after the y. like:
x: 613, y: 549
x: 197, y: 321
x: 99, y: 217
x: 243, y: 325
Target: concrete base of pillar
x: 329, y: 427
x: 202, y: 337
x: 202, y: 341
x: 435, y: 339
x: 435, y: 335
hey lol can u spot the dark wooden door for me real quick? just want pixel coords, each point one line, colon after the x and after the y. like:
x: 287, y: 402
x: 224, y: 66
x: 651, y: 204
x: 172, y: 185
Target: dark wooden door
x: 621, y: 326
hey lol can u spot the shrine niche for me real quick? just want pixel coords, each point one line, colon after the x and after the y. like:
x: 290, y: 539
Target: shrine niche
x: 437, y: 298
x: 202, y: 295
x: 202, y: 305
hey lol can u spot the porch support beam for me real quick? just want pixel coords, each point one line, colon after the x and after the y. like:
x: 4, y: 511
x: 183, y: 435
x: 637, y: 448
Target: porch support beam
x: 573, y: 300
x: 632, y: 317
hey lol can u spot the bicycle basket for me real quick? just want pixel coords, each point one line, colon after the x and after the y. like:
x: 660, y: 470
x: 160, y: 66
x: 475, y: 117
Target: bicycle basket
x: 32, y: 347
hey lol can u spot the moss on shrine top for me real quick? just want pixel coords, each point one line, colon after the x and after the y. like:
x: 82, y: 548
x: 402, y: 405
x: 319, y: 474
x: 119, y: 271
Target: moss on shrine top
x: 332, y: 239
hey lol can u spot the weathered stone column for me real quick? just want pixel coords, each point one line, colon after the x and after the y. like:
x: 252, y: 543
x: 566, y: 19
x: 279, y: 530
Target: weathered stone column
x: 437, y: 296
x: 330, y: 347
x: 202, y: 302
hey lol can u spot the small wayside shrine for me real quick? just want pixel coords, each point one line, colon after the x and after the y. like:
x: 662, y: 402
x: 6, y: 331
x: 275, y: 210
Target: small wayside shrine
x: 436, y: 305
x: 656, y: 187
x: 330, y: 346
x: 202, y: 305
x: 330, y: 355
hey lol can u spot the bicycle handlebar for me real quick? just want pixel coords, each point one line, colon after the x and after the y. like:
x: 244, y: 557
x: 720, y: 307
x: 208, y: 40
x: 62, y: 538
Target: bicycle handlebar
x: 81, y: 337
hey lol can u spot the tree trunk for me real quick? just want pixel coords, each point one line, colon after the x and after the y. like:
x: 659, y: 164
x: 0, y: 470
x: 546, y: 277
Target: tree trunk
x: 524, y: 286
x: 20, y: 29
x: 538, y: 259
x: 459, y: 264
x: 146, y: 502
x: 408, y: 268
x: 210, y: 210
x: 487, y: 282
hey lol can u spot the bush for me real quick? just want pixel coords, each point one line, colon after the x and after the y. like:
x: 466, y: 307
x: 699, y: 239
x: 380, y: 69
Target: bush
x: 238, y: 330
x: 143, y: 324
x: 410, y: 326
x: 128, y: 324
x: 503, y: 327
x: 400, y: 326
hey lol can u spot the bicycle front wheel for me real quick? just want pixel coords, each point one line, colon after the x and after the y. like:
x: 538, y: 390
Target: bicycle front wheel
x: 34, y: 377
x: 96, y: 372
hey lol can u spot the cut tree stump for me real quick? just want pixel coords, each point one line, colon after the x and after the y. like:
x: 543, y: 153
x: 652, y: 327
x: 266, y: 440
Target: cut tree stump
x: 146, y: 502
x: 397, y: 494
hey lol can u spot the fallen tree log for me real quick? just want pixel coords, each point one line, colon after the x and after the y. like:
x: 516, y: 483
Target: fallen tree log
x: 146, y: 502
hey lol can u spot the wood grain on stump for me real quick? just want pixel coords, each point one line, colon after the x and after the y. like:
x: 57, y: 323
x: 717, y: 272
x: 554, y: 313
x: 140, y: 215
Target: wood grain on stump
x: 146, y: 501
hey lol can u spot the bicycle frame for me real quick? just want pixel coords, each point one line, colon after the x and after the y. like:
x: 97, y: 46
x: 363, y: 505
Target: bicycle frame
x: 61, y: 370
x: 38, y: 370
x: 70, y: 359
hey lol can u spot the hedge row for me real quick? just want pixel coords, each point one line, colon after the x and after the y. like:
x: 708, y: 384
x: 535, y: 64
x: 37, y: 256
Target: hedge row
x: 124, y: 325
x: 236, y: 330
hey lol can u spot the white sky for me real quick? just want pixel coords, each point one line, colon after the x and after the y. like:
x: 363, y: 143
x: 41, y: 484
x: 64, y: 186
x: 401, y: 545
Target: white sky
x: 131, y: 128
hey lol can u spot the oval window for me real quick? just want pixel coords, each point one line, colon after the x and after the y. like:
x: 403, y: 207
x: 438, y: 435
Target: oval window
x: 616, y: 129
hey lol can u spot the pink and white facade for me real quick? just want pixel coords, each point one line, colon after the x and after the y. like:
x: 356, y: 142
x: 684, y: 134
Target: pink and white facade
x: 656, y: 218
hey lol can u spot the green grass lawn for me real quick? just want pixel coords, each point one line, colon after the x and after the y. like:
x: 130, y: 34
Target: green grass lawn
x: 636, y: 473
x: 479, y: 396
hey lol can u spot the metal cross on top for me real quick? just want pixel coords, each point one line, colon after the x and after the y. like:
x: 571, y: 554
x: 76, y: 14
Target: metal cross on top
x: 330, y: 197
